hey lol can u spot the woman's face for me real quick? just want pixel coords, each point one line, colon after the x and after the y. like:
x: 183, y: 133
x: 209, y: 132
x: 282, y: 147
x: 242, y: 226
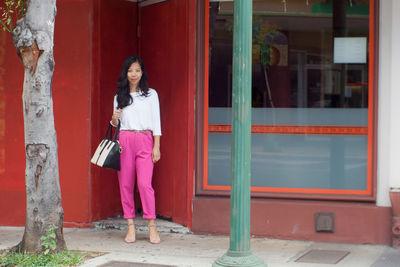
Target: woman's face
x: 134, y: 75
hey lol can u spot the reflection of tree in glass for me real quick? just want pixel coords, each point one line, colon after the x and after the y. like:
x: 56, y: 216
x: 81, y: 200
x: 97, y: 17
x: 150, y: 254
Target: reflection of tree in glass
x: 264, y: 34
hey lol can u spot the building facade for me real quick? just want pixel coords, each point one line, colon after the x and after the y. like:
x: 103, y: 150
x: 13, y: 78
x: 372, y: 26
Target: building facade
x: 324, y: 124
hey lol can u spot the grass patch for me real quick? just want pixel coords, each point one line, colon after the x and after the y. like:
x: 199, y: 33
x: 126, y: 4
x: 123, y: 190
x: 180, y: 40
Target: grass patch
x: 64, y: 258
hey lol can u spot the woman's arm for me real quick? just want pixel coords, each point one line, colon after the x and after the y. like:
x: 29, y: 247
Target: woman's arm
x: 115, y: 117
x: 156, y: 155
x: 116, y: 114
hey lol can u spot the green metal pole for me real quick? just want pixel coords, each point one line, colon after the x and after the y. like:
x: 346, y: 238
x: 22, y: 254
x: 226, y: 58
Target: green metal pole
x: 239, y: 253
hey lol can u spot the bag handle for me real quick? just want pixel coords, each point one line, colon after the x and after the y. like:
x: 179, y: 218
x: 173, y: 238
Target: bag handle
x: 108, y: 132
x: 116, y: 133
x: 109, y: 135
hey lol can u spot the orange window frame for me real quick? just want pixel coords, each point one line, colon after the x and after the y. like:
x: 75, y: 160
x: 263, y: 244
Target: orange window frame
x: 284, y: 129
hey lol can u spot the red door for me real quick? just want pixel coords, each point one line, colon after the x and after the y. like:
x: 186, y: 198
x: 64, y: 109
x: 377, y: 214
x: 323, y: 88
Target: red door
x: 163, y: 45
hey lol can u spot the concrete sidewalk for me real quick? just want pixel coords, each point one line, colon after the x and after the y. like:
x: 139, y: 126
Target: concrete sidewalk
x: 179, y: 247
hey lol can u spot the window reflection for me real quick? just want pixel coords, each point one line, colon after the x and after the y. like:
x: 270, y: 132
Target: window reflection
x: 293, y: 54
x: 309, y: 70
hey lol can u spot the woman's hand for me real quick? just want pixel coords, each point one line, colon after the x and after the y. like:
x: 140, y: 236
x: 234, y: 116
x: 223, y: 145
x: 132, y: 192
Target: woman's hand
x: 155, y: 154
x: 116, y: 116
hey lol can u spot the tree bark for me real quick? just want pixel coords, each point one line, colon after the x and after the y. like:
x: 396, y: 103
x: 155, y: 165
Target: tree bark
x: 33, y: 39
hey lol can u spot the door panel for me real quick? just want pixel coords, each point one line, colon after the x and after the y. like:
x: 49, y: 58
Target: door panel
x: 164, y: 48
x: 154, y: 46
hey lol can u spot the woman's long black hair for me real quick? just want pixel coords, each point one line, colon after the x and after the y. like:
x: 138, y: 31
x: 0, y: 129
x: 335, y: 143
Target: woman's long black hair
x: 123, y: 92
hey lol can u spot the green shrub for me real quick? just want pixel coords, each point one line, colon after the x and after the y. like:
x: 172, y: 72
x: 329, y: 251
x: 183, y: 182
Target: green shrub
x: 49, y: 240
x: 64, y: 258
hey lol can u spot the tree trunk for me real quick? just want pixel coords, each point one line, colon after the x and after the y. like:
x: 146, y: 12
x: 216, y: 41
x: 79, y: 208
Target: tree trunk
x: 33, y: 40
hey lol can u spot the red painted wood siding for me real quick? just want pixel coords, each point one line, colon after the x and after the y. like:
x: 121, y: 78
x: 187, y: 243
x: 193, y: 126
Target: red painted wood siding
x: 92, y: 38
x: 167, y: 47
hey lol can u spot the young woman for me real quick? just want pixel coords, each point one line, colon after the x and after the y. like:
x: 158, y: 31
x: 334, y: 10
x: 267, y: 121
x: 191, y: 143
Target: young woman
x: 137, y: 107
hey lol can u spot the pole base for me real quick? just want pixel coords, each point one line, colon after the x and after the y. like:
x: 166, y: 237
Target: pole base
x: 232, y: 260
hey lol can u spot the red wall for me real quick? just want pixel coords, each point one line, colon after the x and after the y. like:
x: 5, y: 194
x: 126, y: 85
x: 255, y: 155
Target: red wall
x: 167, y: 46
x: 12, y: 152
x: 91, y: 40
x: 71, y: 109
x: 114, y: 39
x: 72, y: 106
x: 363, y: 223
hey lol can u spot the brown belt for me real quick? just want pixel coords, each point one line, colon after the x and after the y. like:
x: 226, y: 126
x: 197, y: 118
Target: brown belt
x: 140, y: 131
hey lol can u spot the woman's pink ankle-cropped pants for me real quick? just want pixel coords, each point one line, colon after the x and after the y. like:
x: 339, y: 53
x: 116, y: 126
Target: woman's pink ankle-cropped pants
x: 136, y: 161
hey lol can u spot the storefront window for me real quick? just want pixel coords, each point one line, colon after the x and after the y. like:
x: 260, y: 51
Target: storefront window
x: 311, y: 89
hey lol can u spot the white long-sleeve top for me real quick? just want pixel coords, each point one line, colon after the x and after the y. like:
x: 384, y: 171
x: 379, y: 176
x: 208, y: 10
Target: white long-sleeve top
x: 142, y: 114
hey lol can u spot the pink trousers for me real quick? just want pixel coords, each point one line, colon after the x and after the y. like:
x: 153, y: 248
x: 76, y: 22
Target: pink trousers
x: 136, y: 161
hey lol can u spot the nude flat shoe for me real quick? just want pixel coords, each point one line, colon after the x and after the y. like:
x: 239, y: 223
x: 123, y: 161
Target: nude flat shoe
x: 154, y: 240
x: 131, y: 240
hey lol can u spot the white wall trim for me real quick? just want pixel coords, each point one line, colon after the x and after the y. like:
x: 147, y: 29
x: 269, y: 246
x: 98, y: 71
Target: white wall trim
x: 389, y: 97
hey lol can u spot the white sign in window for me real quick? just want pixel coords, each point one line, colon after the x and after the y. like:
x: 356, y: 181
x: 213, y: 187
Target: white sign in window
x: 348, y: 50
